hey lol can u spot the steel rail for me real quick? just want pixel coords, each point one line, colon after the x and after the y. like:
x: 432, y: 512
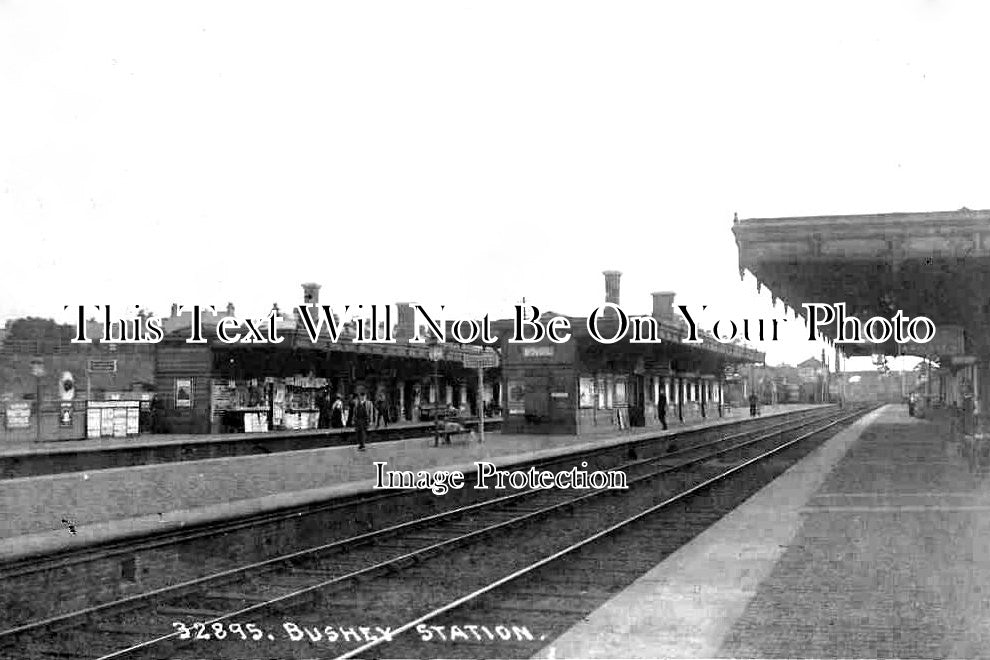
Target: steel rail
x: 584, y: 542
x: 273, y: 562
x: 425, y: 552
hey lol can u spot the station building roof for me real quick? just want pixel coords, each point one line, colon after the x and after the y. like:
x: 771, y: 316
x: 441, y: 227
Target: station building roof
x: 296, y: 338
x: 671, y: 331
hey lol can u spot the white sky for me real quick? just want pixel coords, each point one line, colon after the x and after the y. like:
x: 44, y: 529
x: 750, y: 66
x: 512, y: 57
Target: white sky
x: 463, y: 153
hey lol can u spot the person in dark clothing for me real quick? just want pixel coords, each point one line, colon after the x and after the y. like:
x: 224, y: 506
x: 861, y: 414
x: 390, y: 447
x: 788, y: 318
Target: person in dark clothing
x: 753, y: 400
x: 350, y: 410
x: 381, y: 410
x: 662, y: 410
x: 363, y: 412
x: 157, y: 414
x: 323, y: 404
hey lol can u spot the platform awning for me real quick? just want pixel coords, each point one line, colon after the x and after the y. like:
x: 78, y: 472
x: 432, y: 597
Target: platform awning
x: 923, y: 264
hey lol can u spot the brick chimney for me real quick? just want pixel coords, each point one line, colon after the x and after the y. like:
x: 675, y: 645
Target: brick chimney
x: 230, y: 309
x: 406, y: 326
x: 663, y: 305
x: 311, y: 299
x: 311, y: 293
x: 612, y: 286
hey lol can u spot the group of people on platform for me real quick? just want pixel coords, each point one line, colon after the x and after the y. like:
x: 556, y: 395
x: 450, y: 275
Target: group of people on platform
x: 335, y: 414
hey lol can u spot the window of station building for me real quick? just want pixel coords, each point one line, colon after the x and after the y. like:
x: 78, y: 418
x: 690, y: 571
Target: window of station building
x: 516, y: 397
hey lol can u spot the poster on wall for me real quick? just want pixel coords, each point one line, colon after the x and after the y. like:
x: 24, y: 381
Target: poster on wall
x: 133, y: 424
x: 117, y: 419
x: 18, y: 415
x: 65, y: 415
x: 516, y: 397
x: 94, y: 419
x: 183, y: 393
x: 587, y: 392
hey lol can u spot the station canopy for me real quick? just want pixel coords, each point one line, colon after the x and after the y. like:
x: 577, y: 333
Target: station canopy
x: 924, y: 264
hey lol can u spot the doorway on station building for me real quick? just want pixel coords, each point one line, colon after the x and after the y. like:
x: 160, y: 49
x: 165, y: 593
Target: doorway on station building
x: 495, y: 404
x: 637, y: 402
x: 408, y: 400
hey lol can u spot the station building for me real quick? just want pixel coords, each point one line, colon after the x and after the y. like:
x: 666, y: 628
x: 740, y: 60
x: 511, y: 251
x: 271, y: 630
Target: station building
x: 583, y: 386
x: 214, y: 387
x: 38, y: 356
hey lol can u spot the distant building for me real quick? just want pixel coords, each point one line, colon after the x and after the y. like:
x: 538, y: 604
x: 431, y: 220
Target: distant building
x: 874, y: 386
x: 811, y: 370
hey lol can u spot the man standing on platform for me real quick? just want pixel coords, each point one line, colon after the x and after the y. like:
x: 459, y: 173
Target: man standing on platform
x: 662, y: 410
x: 381, y: 410
x: 350, y: 410
x: 753, y: 400
x: 363, y: 413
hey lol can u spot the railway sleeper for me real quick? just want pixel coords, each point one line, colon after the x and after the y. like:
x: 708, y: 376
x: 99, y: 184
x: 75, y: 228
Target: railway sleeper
x: 465, y: 529
x: 115, y: 630
x: 236, y: 597
x: 53, y: 653
x: 429, y: 539
x: 339, y: 569
x: 188, y: 611
x: 523, y: 511
x: 430, y: 553
x: 400, y: 548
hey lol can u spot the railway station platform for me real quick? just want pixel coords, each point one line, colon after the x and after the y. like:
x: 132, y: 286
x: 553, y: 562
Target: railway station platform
x: 27, y: 459
x: 51, y: 512
x: 877, y: 544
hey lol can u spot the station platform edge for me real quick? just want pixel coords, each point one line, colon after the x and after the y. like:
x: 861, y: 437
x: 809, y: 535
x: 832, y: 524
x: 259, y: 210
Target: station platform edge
x: 113, y: 504
x: 877, y: 544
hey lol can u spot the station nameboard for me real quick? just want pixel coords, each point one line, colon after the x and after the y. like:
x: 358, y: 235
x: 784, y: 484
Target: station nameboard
x: 537, y: 351
x: 18, y: 415
x: 102, y: 367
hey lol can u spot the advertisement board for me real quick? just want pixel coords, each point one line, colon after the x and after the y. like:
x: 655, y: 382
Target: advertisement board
x: 183, y: 393
x: 18, y: 415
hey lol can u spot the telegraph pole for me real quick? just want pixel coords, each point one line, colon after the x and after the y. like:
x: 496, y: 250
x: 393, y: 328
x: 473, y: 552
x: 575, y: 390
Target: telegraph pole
x: 901, y: 369
x: 38, y: 369
x: 824, y: 377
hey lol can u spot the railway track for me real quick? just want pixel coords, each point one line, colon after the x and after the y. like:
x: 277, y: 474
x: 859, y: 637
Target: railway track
x: 505, y: 536
x: 43, y: 587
